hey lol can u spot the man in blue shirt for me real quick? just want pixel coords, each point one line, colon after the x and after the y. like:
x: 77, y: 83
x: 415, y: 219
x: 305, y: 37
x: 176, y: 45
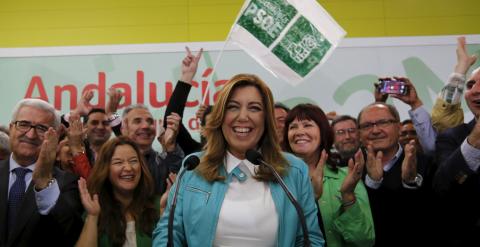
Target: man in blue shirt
x: 39, y: 203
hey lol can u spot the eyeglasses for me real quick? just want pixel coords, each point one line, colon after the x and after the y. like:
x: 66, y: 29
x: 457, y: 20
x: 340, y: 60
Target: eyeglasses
x: 25, y: 126
x: 382, y: 123
x: 342, y: 132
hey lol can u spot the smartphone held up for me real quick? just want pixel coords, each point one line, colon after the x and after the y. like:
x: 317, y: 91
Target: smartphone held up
x: 391, y: 86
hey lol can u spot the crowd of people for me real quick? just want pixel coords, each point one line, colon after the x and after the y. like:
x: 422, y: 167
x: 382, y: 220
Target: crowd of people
x: 318, y: 179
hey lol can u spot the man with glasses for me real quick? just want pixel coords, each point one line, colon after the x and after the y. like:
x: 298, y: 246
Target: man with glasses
x: 394, y: 178
x: 39, y: 203
x: 420, y: 122
x: 346, y: 138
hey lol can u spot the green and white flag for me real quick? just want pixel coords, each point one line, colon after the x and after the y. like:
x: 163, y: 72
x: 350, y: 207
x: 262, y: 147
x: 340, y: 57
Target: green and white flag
x: 290, y: 38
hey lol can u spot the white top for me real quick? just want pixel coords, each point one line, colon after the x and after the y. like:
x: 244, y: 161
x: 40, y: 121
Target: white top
x: 248, y: 216
x: 131, y: 238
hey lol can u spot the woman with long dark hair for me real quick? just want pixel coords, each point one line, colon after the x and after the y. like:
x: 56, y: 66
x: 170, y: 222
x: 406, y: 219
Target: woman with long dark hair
x: 123, y: 210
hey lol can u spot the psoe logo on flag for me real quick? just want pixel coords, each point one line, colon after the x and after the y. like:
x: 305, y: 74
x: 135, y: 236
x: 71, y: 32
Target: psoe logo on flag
x: 290, y: 38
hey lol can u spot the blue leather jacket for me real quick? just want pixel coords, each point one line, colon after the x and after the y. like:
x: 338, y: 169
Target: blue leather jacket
x: 199, y: 203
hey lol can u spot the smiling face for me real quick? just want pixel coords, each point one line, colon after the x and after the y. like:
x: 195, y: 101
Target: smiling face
x: 383, y: 137
x: 347, y: 139
x: 140, y: 127
x: 98, y: 128
x: 125, y: 170
x: 304, y: 137
x: 472, y: 94
x: 25, y: 145
x: 244, y: 121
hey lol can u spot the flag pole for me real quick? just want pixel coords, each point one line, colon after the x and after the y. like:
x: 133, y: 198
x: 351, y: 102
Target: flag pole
x: 245, y: 4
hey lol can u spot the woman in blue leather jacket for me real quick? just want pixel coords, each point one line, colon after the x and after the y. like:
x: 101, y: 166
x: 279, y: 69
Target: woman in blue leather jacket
x: 228, y: 201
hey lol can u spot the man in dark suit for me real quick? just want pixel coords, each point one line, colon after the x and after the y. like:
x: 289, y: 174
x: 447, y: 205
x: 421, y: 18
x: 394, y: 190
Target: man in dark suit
x: 457, y: 178
x: 394, y: 178
x: 39, y: 204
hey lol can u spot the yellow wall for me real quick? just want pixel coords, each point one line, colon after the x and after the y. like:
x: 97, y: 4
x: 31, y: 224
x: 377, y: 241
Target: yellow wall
x: 26, y: 23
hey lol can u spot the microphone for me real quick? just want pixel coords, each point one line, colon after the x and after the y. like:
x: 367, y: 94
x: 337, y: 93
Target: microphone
x: 189, y: 164
x: 256, y: 158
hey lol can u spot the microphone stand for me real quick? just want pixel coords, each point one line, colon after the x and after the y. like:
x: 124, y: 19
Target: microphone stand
x: 189, y: 164
x: 293, y: 201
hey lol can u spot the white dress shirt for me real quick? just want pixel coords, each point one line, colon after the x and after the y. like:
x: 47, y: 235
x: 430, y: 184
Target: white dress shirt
x: 248, y: 216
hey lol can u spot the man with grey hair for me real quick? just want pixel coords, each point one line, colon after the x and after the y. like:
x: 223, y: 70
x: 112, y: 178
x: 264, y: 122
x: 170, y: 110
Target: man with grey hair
x: 39, y: 203
x: 138, y: 124
x: 4, y: 146
x: 394, y: 179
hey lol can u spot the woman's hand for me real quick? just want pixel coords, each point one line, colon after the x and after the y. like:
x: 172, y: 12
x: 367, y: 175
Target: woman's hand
x: 355, y: 172
x: 316, y: 174
x: 189, y: 65
x: 91, y: 204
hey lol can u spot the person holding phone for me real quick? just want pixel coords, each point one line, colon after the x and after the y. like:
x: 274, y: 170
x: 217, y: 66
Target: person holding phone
x: 420, y: 117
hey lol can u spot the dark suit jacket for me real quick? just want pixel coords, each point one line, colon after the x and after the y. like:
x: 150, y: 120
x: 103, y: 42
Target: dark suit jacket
x: 399, y: 214
x: 61, y: 227
x: 459, y: 188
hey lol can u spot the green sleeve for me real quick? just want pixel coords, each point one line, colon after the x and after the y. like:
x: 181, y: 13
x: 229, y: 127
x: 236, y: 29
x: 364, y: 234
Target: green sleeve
x: 356, y: 223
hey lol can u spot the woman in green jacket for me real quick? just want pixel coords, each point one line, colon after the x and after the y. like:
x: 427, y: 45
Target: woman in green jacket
x: 342, y: 198
x: 123, y: 210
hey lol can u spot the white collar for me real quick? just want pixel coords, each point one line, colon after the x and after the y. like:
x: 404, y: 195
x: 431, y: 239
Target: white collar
x: 14, y: 164
x: 231, y: 162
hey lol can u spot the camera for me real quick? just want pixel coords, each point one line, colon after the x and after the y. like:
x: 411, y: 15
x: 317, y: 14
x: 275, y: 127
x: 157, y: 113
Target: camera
x: 392, y: 87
